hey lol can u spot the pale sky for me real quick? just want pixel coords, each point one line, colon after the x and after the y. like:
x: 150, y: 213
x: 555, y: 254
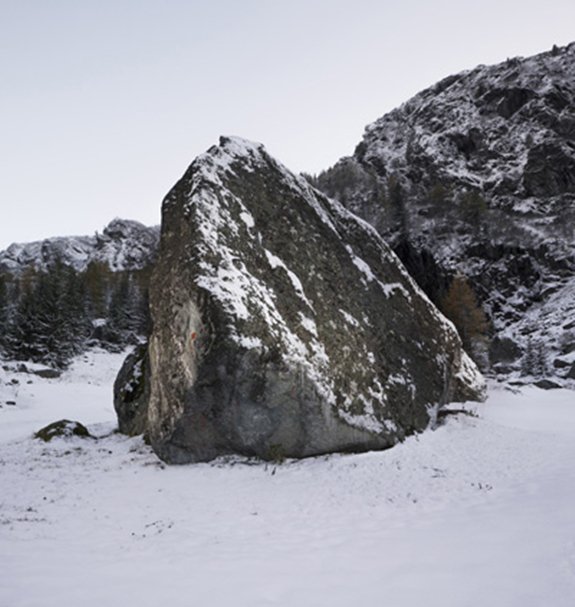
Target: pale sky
x: 104, y: 103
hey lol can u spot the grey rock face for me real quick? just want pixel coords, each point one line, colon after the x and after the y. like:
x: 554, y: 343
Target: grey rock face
x: 550, y: 170
x: 504, y: 350
x: 283, y: 325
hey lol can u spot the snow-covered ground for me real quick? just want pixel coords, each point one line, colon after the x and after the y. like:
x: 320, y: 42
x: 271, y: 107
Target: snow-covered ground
x: 479, y: 512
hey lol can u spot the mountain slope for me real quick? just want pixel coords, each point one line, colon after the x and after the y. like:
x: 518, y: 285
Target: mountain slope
x: 59, y: 295
x: 476, y: 175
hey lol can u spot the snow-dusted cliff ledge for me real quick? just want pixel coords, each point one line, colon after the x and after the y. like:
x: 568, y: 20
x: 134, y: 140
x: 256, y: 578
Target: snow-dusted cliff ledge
x: 122, y: 245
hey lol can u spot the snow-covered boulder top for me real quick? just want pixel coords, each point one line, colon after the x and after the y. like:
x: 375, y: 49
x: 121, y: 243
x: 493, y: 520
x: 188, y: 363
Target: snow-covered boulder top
x: 123, y: 245
x: 283, y: 324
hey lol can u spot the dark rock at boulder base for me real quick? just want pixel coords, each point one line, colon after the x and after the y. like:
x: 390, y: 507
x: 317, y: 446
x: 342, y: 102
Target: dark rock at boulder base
x: 47, y: 373
x: 550, y: 170
x: 503, y: 350
x: 132, y: 392
x: 571, y: 372
x: 43, y: 372
x: 63, y: 428
x: 560, y: 364
x: 547, y: 384
x: 283, y: 326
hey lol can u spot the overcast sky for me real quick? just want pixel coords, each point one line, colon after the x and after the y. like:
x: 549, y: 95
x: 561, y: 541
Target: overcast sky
x: 104, y: 104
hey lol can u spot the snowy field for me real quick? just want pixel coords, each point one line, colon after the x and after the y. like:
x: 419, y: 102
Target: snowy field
x: 480, y: 512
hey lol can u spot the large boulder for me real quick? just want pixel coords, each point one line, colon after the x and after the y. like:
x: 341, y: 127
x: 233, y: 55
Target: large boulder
x: 283, y: 326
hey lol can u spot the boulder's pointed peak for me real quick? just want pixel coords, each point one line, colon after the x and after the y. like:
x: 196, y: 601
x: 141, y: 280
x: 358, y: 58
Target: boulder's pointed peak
x: 239, y: 147
x: 230, y: 150
x: 235, y: 157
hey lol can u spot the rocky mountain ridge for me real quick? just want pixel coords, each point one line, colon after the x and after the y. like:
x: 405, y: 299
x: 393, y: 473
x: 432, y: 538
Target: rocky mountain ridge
x: 123, y: 245
x: 476, y: 176
x: 61, y: 295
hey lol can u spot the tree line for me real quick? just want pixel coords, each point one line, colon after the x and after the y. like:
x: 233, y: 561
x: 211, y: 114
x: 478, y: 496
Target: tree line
x: 49, y: 316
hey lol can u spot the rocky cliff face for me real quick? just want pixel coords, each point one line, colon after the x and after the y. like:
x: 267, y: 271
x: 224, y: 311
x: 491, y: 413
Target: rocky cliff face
x: 124, y: 245
x: 283, y: 325
x: 476, y: 175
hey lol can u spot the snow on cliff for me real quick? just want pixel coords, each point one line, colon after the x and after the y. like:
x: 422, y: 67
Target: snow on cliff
x: 476, y: 175
x: 123, y: 245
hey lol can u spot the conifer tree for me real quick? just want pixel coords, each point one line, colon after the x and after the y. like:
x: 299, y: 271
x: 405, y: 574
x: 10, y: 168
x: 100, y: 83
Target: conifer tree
x: 3, y: 312
x: 534, y: 360
x: 128, y: 310
x: 461, y: 307
x: 474, y: 209
x: 397, y: 206
x: 97, y: 285
x: 49, y: 322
